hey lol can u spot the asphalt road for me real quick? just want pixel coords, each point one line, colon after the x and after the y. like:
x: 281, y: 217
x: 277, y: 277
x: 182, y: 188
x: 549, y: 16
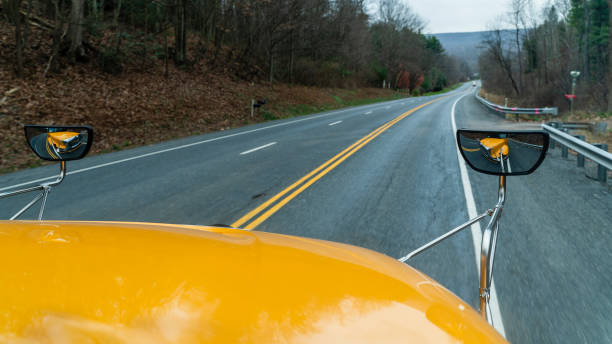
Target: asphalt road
x: 553, y: 266
x: 395, y: 188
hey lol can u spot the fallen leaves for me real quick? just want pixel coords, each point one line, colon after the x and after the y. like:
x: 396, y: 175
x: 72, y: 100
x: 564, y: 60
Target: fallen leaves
x: 138, y: 107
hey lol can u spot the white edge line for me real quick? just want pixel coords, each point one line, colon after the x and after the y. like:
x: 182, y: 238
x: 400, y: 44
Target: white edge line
x: 169, y: 150
x: 476, y: 230
x: 189, y: 145
x: 337, y: 122
x: 367, y: 113
x: 258, y: 148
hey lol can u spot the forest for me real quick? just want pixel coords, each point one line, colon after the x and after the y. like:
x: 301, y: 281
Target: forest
x: 309, y: 42
x: 147, y: 71
x: 531, y: 62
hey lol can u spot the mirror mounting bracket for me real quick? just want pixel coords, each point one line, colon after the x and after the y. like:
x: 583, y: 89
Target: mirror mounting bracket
x: 488, y: 244
x: 44, y: 189
x: 487, y: 252
x: 446, y: 235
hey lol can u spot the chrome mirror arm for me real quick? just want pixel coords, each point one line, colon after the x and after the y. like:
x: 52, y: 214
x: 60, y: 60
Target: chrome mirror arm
x: 21, y: 191
x: 445, y: 236
x: 488, y: 245
x: 487, y: 253
x: 60, y: 178
x: 27, y: 206
x: 45, y: 188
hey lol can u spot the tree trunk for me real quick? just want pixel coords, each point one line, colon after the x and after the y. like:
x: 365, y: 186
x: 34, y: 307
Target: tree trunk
x: 291, y: 57
x: 94, y: 9
x: 12, y: 8
x: 166, y: 54
x: 57, y: 39
x: 495, y: 46
x: 26, y: 30
x: 610, y: 58
x: 585, y: 42
x: 519, y: 57
x: 180, y: 33
x: 76, y: 30
x: 116, y: 14
x: 19, y: 45
x: 271, y: 59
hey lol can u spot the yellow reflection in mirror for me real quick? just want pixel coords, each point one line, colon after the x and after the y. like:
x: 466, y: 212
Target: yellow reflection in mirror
x: 494, y: 147
x: 62, y: 142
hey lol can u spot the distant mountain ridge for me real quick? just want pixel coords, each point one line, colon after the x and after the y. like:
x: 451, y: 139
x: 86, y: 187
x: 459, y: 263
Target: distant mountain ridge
x: 464, y: 45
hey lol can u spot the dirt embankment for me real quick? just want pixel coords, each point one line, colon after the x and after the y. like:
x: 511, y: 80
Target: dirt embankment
x: 143, y: 107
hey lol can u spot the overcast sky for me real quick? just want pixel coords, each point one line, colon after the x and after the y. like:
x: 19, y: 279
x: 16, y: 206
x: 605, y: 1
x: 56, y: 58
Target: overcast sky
x: 461, y: 16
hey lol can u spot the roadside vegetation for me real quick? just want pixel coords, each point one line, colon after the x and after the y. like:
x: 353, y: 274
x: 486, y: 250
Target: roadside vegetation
x: 142, y: 72
x: 578, y: 116
x: 531, y: 63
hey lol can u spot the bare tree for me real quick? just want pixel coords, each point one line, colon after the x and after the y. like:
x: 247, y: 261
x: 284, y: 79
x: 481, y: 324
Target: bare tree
x: 495, y: 48
x: 610, y: 58
x: 180, y: 31
x: 13, y: 9
x: 585, y: 40
x: 400, y: 15
x: 116, y: 13
x: 75, y: 30
x: 518, y: 22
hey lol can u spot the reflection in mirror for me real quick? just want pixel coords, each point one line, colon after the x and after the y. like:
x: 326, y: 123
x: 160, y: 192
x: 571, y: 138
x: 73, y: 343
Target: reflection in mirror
x: 503, y: 152
x: 59, y: 143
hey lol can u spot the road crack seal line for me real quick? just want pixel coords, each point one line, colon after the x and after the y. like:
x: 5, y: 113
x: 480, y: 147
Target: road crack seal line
x: 316, y: 174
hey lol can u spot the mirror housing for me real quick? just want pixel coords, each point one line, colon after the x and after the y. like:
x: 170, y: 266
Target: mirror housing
x: 503, y: 153
x: 59, y: 143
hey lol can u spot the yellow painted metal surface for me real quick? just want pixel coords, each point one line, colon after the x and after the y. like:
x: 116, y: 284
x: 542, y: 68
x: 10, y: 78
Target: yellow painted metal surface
x: 495, y: 146
x: 58, y: 138
x: 88, y: 282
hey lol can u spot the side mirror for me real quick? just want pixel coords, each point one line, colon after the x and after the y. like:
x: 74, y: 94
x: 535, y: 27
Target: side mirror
x: 59, y: 143
x: 53, y: 143
x: 503, y: 153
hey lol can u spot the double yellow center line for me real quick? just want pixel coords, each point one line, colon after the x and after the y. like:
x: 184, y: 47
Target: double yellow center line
x: 315, y: 175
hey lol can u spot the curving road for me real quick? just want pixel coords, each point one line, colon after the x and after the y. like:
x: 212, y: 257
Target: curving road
x: 383, y: 176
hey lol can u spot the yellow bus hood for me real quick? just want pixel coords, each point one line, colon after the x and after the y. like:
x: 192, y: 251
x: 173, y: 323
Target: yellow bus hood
x: 152, y: 283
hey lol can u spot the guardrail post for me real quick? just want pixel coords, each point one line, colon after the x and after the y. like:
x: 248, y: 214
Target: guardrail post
x: 598, y: 161
x: 555, y: 125
x: 602, y: 172
x: 563, y: 147
x: 600, y: 128
x: 580, y: 157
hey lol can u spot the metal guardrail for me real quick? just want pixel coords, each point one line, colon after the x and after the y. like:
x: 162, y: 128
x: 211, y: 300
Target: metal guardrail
x: 514, y: 110
x: 598, y: 155
x: 573, y: 126
x: 584, y: 149
x: 594, y: 127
